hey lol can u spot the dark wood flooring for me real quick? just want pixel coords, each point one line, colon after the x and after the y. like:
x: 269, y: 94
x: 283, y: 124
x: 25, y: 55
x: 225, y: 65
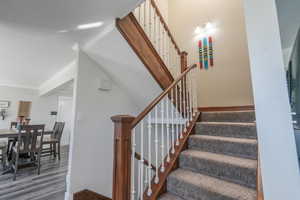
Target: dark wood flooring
x: 49, y: 185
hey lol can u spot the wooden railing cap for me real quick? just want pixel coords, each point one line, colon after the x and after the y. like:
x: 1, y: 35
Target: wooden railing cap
x: 122, y: 118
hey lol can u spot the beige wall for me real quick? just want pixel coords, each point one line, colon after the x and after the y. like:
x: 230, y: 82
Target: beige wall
x: 228, y: 82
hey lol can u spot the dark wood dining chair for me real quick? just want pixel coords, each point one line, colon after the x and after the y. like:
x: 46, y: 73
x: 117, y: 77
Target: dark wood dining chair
x: 29, y: 142
x: 11, y: 140
x: 3, y: 155
x: 54, y: 141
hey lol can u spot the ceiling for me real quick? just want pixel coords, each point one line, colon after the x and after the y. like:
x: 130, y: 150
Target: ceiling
x: 58, y: 15
x: 37, y: 36
x: 289, y: 21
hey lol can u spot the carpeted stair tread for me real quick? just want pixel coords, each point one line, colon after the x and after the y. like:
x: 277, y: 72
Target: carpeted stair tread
x: 196, y: 186
x: 234, y: 169
x: 241, y: 162
x: 240, y: 147
x: 228, y: 116
x: 227, y: 129
x: 169, y: 196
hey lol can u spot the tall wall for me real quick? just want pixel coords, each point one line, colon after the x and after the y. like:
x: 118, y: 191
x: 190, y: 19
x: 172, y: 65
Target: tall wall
x: 228, y: 82
x: 277, y: 149
x: 41, y: 106
x: 91, y: 159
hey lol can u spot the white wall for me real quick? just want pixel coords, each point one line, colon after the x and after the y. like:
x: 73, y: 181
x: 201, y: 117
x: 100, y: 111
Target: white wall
x: 41, y: 106
x: 279, y: 164
x: 228, y: 83
x: 91, y: 162
x: 65, y: 114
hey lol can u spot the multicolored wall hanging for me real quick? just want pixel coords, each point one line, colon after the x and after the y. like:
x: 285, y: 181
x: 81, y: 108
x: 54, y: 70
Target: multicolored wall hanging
x: 206, y: 53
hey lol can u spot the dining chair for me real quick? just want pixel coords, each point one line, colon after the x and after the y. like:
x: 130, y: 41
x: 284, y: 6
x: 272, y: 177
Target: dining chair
x: 54, y: 141
x: 29, y: 142
x: 11, y: 140
x: 3, y: 155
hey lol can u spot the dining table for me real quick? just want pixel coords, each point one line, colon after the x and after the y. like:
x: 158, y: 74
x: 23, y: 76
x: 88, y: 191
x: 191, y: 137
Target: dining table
x: 11, y: 133
x: 14, y: 133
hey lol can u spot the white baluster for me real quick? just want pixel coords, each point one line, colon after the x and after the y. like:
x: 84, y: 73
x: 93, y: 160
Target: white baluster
x: 162, y: 169
x: 156, y: 147
x: 145, y: 17
x: 142, y: 161
x: 190, y: 96
x: 139, y: 179
x: 150, y: 22
x: 168, y: 129
x: 154, y: 31
x: 195, y: 93
x: 187, y: 99
x: 177, y: 115
x: 181, y: 108
x: 133, y: 166
x: 184, y: 104
x: 172, y: 117
x: 149, y: 192
x: 159, y: 37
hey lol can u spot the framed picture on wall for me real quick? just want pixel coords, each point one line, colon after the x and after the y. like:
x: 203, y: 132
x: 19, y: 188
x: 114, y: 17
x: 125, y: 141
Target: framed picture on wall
x: 4, y: 104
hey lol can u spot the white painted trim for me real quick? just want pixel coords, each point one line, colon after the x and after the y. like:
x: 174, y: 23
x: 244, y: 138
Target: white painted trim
x: 66, y: 75
x: 18, y: 86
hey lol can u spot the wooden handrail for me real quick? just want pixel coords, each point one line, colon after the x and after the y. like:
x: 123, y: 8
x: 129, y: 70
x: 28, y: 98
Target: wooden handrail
x: 160, y: 97
x: 165, y: 25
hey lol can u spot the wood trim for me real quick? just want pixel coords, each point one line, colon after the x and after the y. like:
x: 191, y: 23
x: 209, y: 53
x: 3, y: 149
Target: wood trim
x: 226, y: 108
x: 146, y: 162
x: 259, y: 186
x: 131, y: 30
x: 122, y: 157
x: 160, y: 97
x: 89, y: 195
x: 158, y: 189
x: 165, y: 25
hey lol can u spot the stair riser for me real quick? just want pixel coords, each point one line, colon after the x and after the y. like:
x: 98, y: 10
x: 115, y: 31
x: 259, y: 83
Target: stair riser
x: 228, y: 117
x: 228, y: 148
x: 225, y: 171
x: 237, y: 131
x: 192, y: 192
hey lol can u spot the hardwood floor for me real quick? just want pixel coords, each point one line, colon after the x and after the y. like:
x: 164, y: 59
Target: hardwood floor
x: 49, y: 185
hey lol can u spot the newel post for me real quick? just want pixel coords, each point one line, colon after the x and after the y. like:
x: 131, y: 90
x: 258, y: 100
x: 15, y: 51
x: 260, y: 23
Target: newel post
x: 183, y: 57
x: 122, y: 157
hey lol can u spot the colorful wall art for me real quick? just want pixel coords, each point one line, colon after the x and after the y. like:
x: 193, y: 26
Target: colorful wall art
x: 206, y: 53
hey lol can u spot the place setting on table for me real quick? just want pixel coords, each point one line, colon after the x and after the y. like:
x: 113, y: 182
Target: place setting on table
x: 25, y: 144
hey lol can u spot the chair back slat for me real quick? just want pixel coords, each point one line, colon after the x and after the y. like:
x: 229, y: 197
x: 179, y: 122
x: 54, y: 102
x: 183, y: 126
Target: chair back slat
x: 58, y: 130
x: 30, y: 138
x: 13, y: 125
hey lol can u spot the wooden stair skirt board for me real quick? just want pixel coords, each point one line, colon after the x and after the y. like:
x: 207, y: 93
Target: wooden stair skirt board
x: 89, y: 195
x: 142, y: 46
x: 226, y: 108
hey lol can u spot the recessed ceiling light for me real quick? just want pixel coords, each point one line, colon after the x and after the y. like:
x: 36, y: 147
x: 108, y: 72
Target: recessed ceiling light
x: 90, y: 25
x: 63, y: 31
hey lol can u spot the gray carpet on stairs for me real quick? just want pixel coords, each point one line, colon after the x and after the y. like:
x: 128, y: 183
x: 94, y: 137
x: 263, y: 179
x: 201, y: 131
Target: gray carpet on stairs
x: 220, y: 162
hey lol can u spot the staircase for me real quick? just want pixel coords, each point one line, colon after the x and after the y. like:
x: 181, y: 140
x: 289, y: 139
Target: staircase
x: 220, y: 162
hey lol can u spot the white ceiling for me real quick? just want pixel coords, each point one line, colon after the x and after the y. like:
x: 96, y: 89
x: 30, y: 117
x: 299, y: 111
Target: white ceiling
x: 289, y: 20
x: 32, y: 49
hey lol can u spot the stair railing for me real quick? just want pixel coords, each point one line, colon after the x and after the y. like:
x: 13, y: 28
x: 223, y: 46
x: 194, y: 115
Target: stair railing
x: 156, y: 29
x: 145, y: 146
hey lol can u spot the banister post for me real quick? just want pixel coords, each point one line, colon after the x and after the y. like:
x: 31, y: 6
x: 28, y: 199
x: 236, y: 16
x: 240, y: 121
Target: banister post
x: 183, y: 61
x: 122, y: 157
x: 184, y: 66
